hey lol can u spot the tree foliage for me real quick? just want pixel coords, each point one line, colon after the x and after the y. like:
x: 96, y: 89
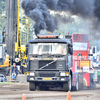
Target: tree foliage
x: 2, y: 14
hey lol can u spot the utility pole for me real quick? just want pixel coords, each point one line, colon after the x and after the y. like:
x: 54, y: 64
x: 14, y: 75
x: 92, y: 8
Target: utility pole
x: 11, y: 26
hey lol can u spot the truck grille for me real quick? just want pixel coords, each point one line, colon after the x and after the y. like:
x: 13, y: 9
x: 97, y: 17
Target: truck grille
x: 37, y: 65
x: 50, y: 66
x: 47, y: 75
x: 33, y: 65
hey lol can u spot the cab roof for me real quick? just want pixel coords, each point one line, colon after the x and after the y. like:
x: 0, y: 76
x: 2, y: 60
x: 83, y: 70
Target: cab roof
x: 49, y: 38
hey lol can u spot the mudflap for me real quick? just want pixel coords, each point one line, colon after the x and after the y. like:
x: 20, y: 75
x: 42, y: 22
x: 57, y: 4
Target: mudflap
x: 86, y: 79
x: 89, y: 82
x: 83, y: 81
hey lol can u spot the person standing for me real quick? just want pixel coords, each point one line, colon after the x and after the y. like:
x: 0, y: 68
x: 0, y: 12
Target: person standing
x: 14, y: 71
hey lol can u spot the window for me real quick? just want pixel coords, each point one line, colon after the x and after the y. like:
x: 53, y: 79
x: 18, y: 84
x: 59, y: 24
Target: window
x: 1, y: 52
x: 79, y: 46
x: 47, y: 48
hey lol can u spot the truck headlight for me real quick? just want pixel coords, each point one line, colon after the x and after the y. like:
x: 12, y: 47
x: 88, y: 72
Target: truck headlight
x: 62, y: 74
x: 62, y: 79
x: 32, y: 74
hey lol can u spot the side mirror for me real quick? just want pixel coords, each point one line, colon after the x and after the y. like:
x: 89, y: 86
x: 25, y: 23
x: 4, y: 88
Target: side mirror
x: 70, y: 50
x: 6, y: 50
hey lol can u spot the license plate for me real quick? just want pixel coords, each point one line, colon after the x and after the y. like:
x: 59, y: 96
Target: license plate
x: 47, y: 78
x: 47, y: 58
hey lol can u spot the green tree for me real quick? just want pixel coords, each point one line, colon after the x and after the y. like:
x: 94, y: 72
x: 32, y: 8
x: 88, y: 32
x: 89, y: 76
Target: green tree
x: 2, y: 14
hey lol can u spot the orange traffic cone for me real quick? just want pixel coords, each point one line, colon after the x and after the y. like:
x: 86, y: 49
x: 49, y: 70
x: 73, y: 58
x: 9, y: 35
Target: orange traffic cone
x: 68, y: 96
x: 24, y: 97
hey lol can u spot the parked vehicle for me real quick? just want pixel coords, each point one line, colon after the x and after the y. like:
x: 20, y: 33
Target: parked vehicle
x: 2, y: 78
x: 81, y: 63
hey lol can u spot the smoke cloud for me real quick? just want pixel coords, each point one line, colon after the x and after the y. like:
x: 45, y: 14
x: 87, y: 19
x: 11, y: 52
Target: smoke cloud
x: 39, y: 11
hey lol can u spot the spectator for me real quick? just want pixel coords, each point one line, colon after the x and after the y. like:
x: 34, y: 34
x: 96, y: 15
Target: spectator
x: 22, y: 69
x: 14, y: 71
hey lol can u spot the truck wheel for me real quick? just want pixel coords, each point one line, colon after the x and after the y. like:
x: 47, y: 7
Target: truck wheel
x: 75, y: 88
x: 92, y: 84
x: 32, y: 86
x: 80, y: 81
x: 67, y: 86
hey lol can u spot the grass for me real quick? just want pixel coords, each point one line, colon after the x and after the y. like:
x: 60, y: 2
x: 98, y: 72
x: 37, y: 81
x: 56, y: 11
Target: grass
x: 6, y: 82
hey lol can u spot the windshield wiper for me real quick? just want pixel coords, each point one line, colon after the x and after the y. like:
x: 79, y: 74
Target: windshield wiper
x: 47, y: 64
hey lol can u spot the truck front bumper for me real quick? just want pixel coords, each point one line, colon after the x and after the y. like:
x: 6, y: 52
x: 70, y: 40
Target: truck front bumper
x: 47, y: 79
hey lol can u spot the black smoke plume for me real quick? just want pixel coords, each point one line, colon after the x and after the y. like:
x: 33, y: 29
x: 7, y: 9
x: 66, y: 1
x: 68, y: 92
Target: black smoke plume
x: 39, y: 11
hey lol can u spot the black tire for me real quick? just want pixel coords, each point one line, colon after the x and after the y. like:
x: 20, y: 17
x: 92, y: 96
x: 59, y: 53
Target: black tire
x: 32, y: 86
x: 77, y: 84
x: 92, y: 84
x: 76, y: 88
x: 67, y: 86
x: 80, y: 82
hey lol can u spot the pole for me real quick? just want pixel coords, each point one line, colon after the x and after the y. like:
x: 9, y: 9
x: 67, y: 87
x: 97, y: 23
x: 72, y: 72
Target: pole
x: 10, y: 69
x: 18, y: 26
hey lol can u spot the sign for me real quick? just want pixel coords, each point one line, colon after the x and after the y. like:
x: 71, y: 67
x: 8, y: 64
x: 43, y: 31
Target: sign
x: 47, y: 58
x: 84, y: 63
x: 44, y: 36
x: 47, y: 78
x: 80, y: 37
x: 85, y: 68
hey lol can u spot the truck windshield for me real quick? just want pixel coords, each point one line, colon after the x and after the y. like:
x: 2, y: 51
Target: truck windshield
x: 79, y: 46
x: 0, y: 51
x: 47, y: 48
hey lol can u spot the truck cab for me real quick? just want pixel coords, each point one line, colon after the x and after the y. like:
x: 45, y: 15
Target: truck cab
x: 49, y: 62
